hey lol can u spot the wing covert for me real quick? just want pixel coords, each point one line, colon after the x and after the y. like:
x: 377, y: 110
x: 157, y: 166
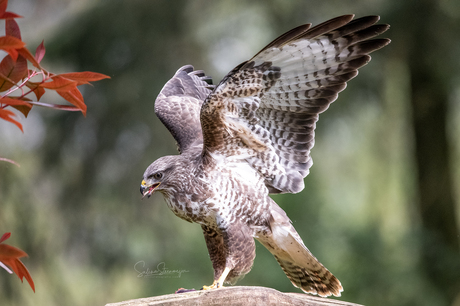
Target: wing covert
x: 265, y: 110
x: 178, y: 105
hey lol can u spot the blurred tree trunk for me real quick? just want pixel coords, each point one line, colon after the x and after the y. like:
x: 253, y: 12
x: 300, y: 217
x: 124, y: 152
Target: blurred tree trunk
x: 431, y: 73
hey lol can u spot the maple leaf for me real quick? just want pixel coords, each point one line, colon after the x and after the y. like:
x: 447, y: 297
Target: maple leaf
x: 10, y: 255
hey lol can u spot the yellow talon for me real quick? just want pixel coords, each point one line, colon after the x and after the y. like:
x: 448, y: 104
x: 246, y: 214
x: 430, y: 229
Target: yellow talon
x: 220, y: 282
x: 214, y: 285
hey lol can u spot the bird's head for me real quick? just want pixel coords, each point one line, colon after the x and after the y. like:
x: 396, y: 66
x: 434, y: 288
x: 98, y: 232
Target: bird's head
x: 158, y: 176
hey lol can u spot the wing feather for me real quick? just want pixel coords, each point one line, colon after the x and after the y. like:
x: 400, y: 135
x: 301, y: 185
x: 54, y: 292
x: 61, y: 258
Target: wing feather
x: 264, y: 111
x: 178, y: 105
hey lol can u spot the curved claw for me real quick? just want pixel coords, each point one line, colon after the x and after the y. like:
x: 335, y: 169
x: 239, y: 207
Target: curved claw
x: 219, y: 283
x: 214, y: 285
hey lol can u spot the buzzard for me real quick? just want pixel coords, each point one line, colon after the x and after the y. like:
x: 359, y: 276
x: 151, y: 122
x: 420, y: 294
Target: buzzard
x: 251, y: 136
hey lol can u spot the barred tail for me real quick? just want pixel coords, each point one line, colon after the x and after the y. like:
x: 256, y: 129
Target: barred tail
x: 299, y: 264
x: 319, y: 281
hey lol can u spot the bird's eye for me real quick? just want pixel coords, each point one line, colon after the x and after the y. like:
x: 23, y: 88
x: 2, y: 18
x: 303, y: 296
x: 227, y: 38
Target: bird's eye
x: 157, y: 175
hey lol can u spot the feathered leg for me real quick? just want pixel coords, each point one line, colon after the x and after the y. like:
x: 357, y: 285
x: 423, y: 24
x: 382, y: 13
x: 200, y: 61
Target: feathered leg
x: 232, y: 252
x: 216, y: 250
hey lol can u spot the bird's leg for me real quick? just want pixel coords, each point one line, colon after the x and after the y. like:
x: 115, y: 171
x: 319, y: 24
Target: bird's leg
x: 217, y: 253
x: 232, y: 253
x: 219, y: 282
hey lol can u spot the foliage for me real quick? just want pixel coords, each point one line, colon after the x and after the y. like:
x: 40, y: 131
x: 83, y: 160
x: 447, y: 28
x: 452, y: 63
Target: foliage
x: 15, y: 76
x: 10, y: 255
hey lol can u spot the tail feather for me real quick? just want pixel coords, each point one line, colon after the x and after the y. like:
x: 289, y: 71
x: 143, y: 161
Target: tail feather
x: 321, y: 281
x: 299, y: 264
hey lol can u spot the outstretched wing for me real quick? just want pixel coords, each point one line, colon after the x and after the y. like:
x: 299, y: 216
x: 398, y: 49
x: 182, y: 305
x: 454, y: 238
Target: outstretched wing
x: 178, y: 105
x: 265, y: 110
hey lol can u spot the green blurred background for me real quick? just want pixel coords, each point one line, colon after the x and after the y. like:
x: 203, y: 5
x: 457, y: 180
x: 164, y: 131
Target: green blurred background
x: 381, y: 206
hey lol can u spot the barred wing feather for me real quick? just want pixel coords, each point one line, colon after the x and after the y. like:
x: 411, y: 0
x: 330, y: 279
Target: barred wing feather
x: 264, y: 111
x: 179, y: 103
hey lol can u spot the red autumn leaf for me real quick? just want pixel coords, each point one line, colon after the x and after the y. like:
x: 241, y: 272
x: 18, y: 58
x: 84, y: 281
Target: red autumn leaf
x: 10, y: 42
x: 40, y: 52
x: 13, y: 101
x: 59, y: 83
x: 10, y: 255
x: 6, y: 115
x: 13, y: 53
x: 3, y: 6
x: 84, y: 77
x: 75, y: 97
x: 5, y: 83
x: 12, y: 71
x: 10, y: 251
x: 3, y: 13
x: 9, y: 15
x: 4, y: 237
x: 23, y: 106
x: 26, y: 53
x: 38, y: 91
x: 15, y: 70
x: 12, y: 28
x: 24, y: 109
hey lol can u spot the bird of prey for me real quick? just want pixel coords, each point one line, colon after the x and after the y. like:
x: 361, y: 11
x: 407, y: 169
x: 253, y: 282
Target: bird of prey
x: 251, y: 136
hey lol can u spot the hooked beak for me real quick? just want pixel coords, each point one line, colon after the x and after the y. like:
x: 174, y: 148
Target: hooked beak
x: 148, y: 190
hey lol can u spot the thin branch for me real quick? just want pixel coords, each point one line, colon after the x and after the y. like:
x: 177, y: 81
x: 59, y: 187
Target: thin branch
x: 69, y: 108
x: 9, y: 161
x: 5, y: 267
x: 45, y: 77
